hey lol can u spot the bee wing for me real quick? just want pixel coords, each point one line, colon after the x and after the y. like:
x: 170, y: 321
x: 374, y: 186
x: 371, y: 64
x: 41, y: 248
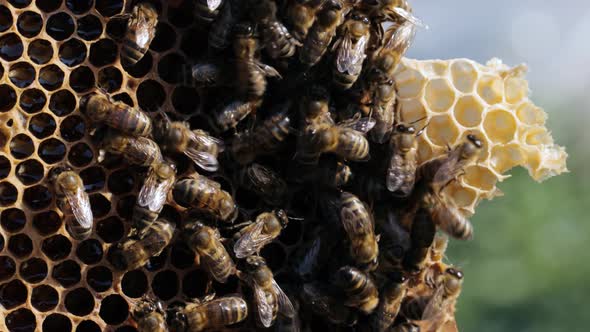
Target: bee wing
x: 285, y: 305
x: 213, y: 4
x: 262, y: 306
x: 350, y: 56
x: 251, y: 241
x: 153, y: 192
x: 207, y: 140
x: 204, y: 160
x: 399, y: 37
x: 359, y: 124
x: 144, y: 29
x: 80, y: 205
x: 435, y: 305
x: 448, y: 170
x: 409, y: 17
x: 268, y: 70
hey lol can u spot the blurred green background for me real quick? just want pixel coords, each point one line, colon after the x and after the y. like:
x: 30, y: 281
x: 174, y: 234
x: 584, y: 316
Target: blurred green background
x: 528, y: 268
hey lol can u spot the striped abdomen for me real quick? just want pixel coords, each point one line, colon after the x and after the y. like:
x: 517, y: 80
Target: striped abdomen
x: 143, y: 217
x: 359, y: 289
x: 203, y: 13
x: 352, y: 145
x: 129, y: 120
x: 216, y: 313
x: 279, y: 42
x: 76, y: 230
x: 131, y: 52
x: 251, y: 80
x: 273, y: 132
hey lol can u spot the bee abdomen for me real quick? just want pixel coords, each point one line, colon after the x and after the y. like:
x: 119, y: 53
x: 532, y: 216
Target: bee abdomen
x: 143, y: 217
x: 344, y: 81
x: 131, y: 53
x: 76, y: 230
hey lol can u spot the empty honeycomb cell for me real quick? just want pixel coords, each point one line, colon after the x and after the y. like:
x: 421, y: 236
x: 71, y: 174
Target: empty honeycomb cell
x: 32, y: 100
x: 464, y: 75
x: 181, y: 16
x: 11, y: 47
x: 99, y: 278
x: 275, y: 255
x: 56, y: 247
x: 530, y: 114
x: 116, y: 28
x: 13, y: 294
x: 72, y: 52
x: 4, y: 167
x: 88, y: 326
x: 42, y: 125
x: 500, y: 125
x: 51, y: 77
x: 114, y: 309
x: 21, y: 74
x: 150, y: 95
x: 48, y: 5
x: 142, y: 67
x: 181, y: 256
x: 20, y: 245
x: 40, y: 51
x: 491, y: 89
x: 121, y: 181
x: 185, y: 99
x: 29, y: 171
x: 103, y: 52
x: 60, y: 26
x: 157, y: 262
x: 100, y: 205
x: 461, y: 197
x: 89, y: 27
x: 110, y: 229
x: 44, y: 298
x: 80, y: 154
x: 13, y: 219
x: 231, y: 286
x: 173, y: 69
x: 411, y: 110
x: 79, y: 7
x: 21, y: 146
x: 20, y: 3
x: 124, y: 97
x: 47, y: 223
x: 29, y: 24
x: 516, y: 89
x: 82, y: 79
x: 109, y: 8
x: 194, y: 284
x: 7, y: 267
x: 537, y: 136
x: 79, y: 302
x: 165, y: 285
x: 7, y: 98
x: 21, y: 320
x: 89, y: 251
x: 33, y: 270
x: 439, y: 95
x: 125, y: 206
x: 468, y: 111
x: 5, y: 18
x: 72, y: 128
x: 66, y: 273
x: 134, y: 283
x: 165, y: 38
x: 480, y: 177
x: 93, y: 178
x: 411, y: 83
x: 110, y: 79
x: 442, y: 130
x: 57, y: 322
x: 8, y: 193
x: 62, y: 103
x: 52, y: 150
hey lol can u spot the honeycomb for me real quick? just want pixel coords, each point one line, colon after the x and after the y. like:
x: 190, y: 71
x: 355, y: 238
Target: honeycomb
x: 53, y: 52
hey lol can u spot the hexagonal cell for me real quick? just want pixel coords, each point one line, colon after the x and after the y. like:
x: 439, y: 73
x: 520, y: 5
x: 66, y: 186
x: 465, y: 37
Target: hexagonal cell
x: 66, y: 273
x: 21, y: 74
x: 7, y: 267
x: 44, y: 298
x: 121, y: 181
x: 165, y: 38
x: 113, y: 309
x: 500, y: 125
x: 79, y: 6
x: 142, y: 67
x: 60, y: 26
x: 442, y: 130
x: 110, y: 79
x: 72, y: 52
x: 11, y: 47
x: 157, y: 262
x: 72, y: 128
x: 480, y: 177
x: 88, y: 326
x: 8, y: 194
x: 165, y: 285
x: 468, y: 111
x: 89, y: 27
x: 46, y: 223
x: 103, y: 52
x: 6, y: 19
x: 109, y: 8
x: 4, y: 167
x: 29, y: 24
x: 57, y: 322
x: 530, y: 114
x: 13, y: 294
x: 182, y: 15
x: 62, y: 103
x: 20, y: 3
x: 40, y: 51
x: 150, y: 95
x: 190, y: 42
x: 464, y: 75
x: 124, y: 97
x: 82, y: 79
x: 20, y: 245
x: 462, y: 197
x: 491, y: 89
x: 33, y: 270
x: 79, y: 302
x: 42, y: 125
x: 52, y: 150
x: 195, y: 284
x: 30, y: 171
x: 536, y: 136
x: 93, y: 178
x: 21, y: 146
x: 21, y: 320
x: 435, y: 68
x: 89, y: 251
x: 48, y: 5
x: 13, y: 220
x: 51, y: 77
x: 32, y: 100
x: 110, y: 229
x: 409, y: 83
x: 439, y: 95
x: 411, y: 110
x: 516, y: 89
x: 7, y: 98
x: 173, y: 69
x: 135, y: 283
x: 99, y: 278
x: 56, y: 247
x: 80, y: 155
x: 100, y: 205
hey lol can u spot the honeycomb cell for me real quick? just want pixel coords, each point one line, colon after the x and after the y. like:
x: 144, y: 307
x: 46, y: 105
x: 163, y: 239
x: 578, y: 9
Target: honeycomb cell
x: 110, y: 229
x: 89, y: 27
x: 125, y: 206
x: 4, y: 167
x: 439, y: 95
x: 62, y: 103
x: 32, y: 100
x: 515, y: 89
x: 173, y: 69
x: 13, y: 294
x: 11, y: 47
x: 7, y: 98
x: 80, y: 155
x: 93, y: 178
x: 442, y: 130
x: 66, y: 273
x: 165, y: 38
x: 29, y: 171
x: 20, y: 245
x: 89, y: 251
x: 185, y: 99
x: 51, y: 77
x: 500, y: 125
x: 5, y: 18
x: 537, y: 136
x: 110, y: 79
x: 103, y: 52
x: 464, y: 75
x: 157, y: 262
x: 42, y: 125
x: 57, y: 322
x: 1, y: 242
x: 411, y: 110
x: 44, y: 298
x: 100, y: 205
x: 60, y: 26
x: 142, y: 67
x: 165, y: 285
x: 462, y: 197
x: 109, y: 8
x: 82, y: 79
x: 29, y: 24
x: 79, y: 7
x: 8, y: 193
x: 275, y: 255
x: 121, y: 181
x: 72, y: 128
x: 116, y: 28
x: 99, y: 278
x: 181, y: 255
x: 40, y: 51
x: 79, y: 302
x: 150, y: 95
x: 21, y: 74
x: 13, y: 220
x: 88, y: 326
x: 124, y: 97
x: 20, y: 3
x: 21, y: 320
x: 47, y: 223
x: 114, y: 309
x: 480, y: 177
x: 410, y: 83
x: 33, y: 270
x: 52, y: 150
x: 7, y: 267
x: 21, y: 146
x: 194, y: 284
x: 48, y: 5
x: 491, y: 89
x: 135, y: 283
x: 468, y: 111
x: 72, y: 52
x: 530, y: 114
x: 181, y: 16
x: 56, y: 247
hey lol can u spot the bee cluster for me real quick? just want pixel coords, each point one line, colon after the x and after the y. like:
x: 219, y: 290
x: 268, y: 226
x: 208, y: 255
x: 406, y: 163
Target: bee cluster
x: 240, y: 164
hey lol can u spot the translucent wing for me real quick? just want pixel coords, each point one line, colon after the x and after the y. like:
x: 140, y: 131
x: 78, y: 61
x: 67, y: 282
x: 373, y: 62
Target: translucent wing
x: 448, y: 170
x: 399, y: 37
x: 435, y: 305
x: 80, y: 205
x: 153, y: 192
x: 252, y: 241
x: 204, y: 160
x: 268, y: 70
x: 203, y: 139
x: 144, y: 28
x: 285, y: 305
x: 213, y: 4
x: 359, y: 124
x: 409, y: 17
x: 351, y: 55
x: 262, y: 306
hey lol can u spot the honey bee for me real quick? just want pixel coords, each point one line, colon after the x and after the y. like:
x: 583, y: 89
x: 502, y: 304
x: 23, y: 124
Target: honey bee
x: 278, y: 42
x: 398, y: 39
x: 207, y: 10
x: 438, y: 311
x: 233, y: 113
x: 421, y: 235
x: 350, y: 50
x: 136, y: 150
x: 149, y: 316
x: 99, y: 107
x: 329, y: 173
x: 394, y: 242
x: 210, y: 75
x: 265, y: 229
x: 401, y: 172
x: 268, y: 295
x: 206, y: 195
x: 73, y: 200
x: 360, y: 228
x: 213, y: 314
x: 197, y: 144
x: 448, y: 217
x: 359, y: 289
x: 135, y: 252
x: 389, y: 305
x: 302, y: 15
x: 141, y: 30
x: 153, y: 193
x: 393, y: 10
x: 266, y: 183
x: 327, y: 305
x: 219, y: 37
x: 439, y: 246
x: 315, y: 104
x: 378, y: 100
x: 206, y: 242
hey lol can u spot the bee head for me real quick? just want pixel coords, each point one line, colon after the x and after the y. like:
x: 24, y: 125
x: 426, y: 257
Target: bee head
x: 178, y: 321
x: 144, y: 307
x: 472, y: 147
x: 282, y: 216
x: 68, y: 181
x: 457, y: 274
x: 453, y: 279
x: 165, y: 170
x: 254, y: 263
x: 343, y: 173
x: 198, y: 234
x: 56, y: 171
x: 243, y: 30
